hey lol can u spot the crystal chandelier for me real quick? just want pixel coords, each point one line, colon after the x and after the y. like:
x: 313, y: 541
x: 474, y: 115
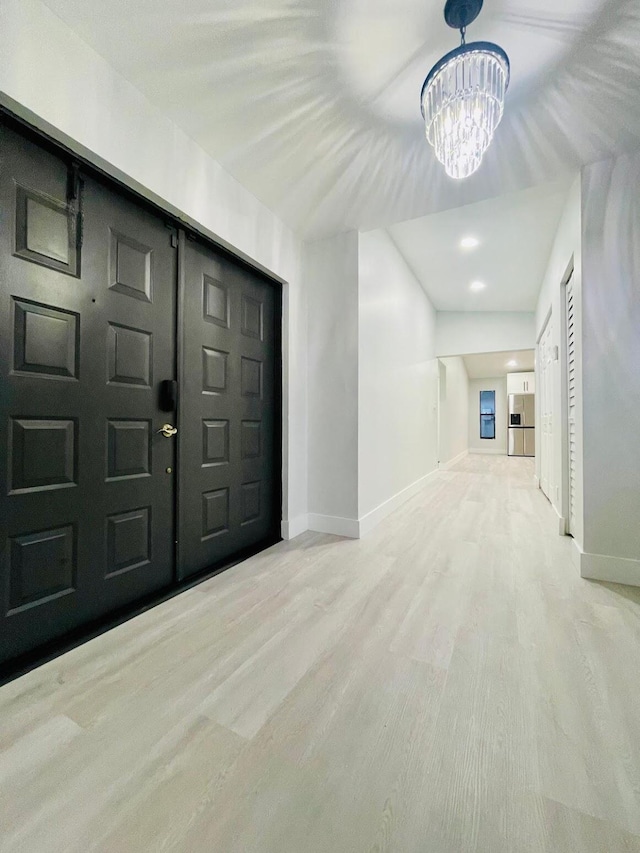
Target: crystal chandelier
x: 462, y: 98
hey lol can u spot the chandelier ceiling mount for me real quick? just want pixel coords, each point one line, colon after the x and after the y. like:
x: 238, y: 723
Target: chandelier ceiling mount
x: 460, y: 13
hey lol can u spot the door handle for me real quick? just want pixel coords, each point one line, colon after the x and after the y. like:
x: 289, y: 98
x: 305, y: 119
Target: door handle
x: 167, y: 430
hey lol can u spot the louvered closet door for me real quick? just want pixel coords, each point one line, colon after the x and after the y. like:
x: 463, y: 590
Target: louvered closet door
x: 571, y: 401
x: 87, y: 333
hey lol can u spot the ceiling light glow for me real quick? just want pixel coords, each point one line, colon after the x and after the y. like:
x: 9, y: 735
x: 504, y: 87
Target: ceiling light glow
x: 476, y: 286
x: 512, y: 363
x: 469, y: 243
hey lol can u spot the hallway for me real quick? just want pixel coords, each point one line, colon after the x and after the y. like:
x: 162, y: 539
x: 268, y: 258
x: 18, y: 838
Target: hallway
x: 447, y: 684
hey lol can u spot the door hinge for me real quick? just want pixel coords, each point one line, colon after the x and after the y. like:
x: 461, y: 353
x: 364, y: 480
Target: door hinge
x: 76, y: 223
x: 74, y: 202
x: 173, y: 238
x: 73, y: 182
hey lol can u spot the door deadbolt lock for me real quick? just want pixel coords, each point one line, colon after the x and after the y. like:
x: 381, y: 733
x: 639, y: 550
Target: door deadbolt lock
x: 167, y: 430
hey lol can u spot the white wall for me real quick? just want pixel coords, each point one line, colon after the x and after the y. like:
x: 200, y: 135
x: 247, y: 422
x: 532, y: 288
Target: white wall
x: 54, y: 79
x: 611, y: 367
x: 331, y: 273
x: 566, y: 250
x: 398, y: 379
x: 468, y: 332
x: 453, y: 430
x: 600, y: 230
x: 497, y: 445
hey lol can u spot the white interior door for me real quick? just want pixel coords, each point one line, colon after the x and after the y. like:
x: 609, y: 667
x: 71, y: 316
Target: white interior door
x: 571, y: 403
x: 546, y: 409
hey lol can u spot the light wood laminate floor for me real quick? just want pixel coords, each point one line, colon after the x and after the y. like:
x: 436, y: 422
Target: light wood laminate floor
x: 446, y: 685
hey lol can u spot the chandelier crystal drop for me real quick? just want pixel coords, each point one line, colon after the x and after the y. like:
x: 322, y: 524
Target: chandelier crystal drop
x: 462, y: 98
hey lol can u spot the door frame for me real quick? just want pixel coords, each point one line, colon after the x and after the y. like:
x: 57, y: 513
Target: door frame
x: 442, y: 372
x: 50, y: 139
x: 541, y: 383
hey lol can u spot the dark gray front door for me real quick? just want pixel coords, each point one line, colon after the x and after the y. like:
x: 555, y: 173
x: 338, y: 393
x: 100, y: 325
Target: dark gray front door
x: 228, y: 492
x: 87, y: 334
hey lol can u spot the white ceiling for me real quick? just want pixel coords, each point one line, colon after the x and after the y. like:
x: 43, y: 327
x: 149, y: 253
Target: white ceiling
x: 493, y: 364
x: 314, y: 104
x: 516, y: 233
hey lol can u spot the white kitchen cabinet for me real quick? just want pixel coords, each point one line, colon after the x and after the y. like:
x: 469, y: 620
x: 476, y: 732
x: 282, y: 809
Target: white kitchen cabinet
x: 521, y: 383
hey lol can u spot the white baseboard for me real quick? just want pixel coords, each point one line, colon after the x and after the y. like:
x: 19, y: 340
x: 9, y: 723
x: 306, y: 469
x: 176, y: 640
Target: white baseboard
x: 576, y: 555
x: 563, y: 524
x: 600, y: 567
x: 293, y: 528
x: 354, y: 528
x: 371, y: 519
x: 488, y: 452
x: 349, y: 527
x: 444, y: 466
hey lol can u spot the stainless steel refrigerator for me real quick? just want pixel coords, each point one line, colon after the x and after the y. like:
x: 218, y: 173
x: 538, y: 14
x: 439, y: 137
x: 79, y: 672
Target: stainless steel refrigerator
x: 522, y: 425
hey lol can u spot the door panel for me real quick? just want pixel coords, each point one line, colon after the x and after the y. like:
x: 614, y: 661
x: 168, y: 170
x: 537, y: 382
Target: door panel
x: 227, y: 410
x: 516, y: 442
x: 131, y: 265
x: 516, y: 406
x: 529, y: 442
x: 529, y: 411
x: 87, y: 334
x: 571, y: 340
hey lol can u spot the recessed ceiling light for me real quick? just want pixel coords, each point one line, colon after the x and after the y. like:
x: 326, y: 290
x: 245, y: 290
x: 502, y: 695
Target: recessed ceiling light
x: 469, y: 243
x: 512, y: 363
x: 477, y: 285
